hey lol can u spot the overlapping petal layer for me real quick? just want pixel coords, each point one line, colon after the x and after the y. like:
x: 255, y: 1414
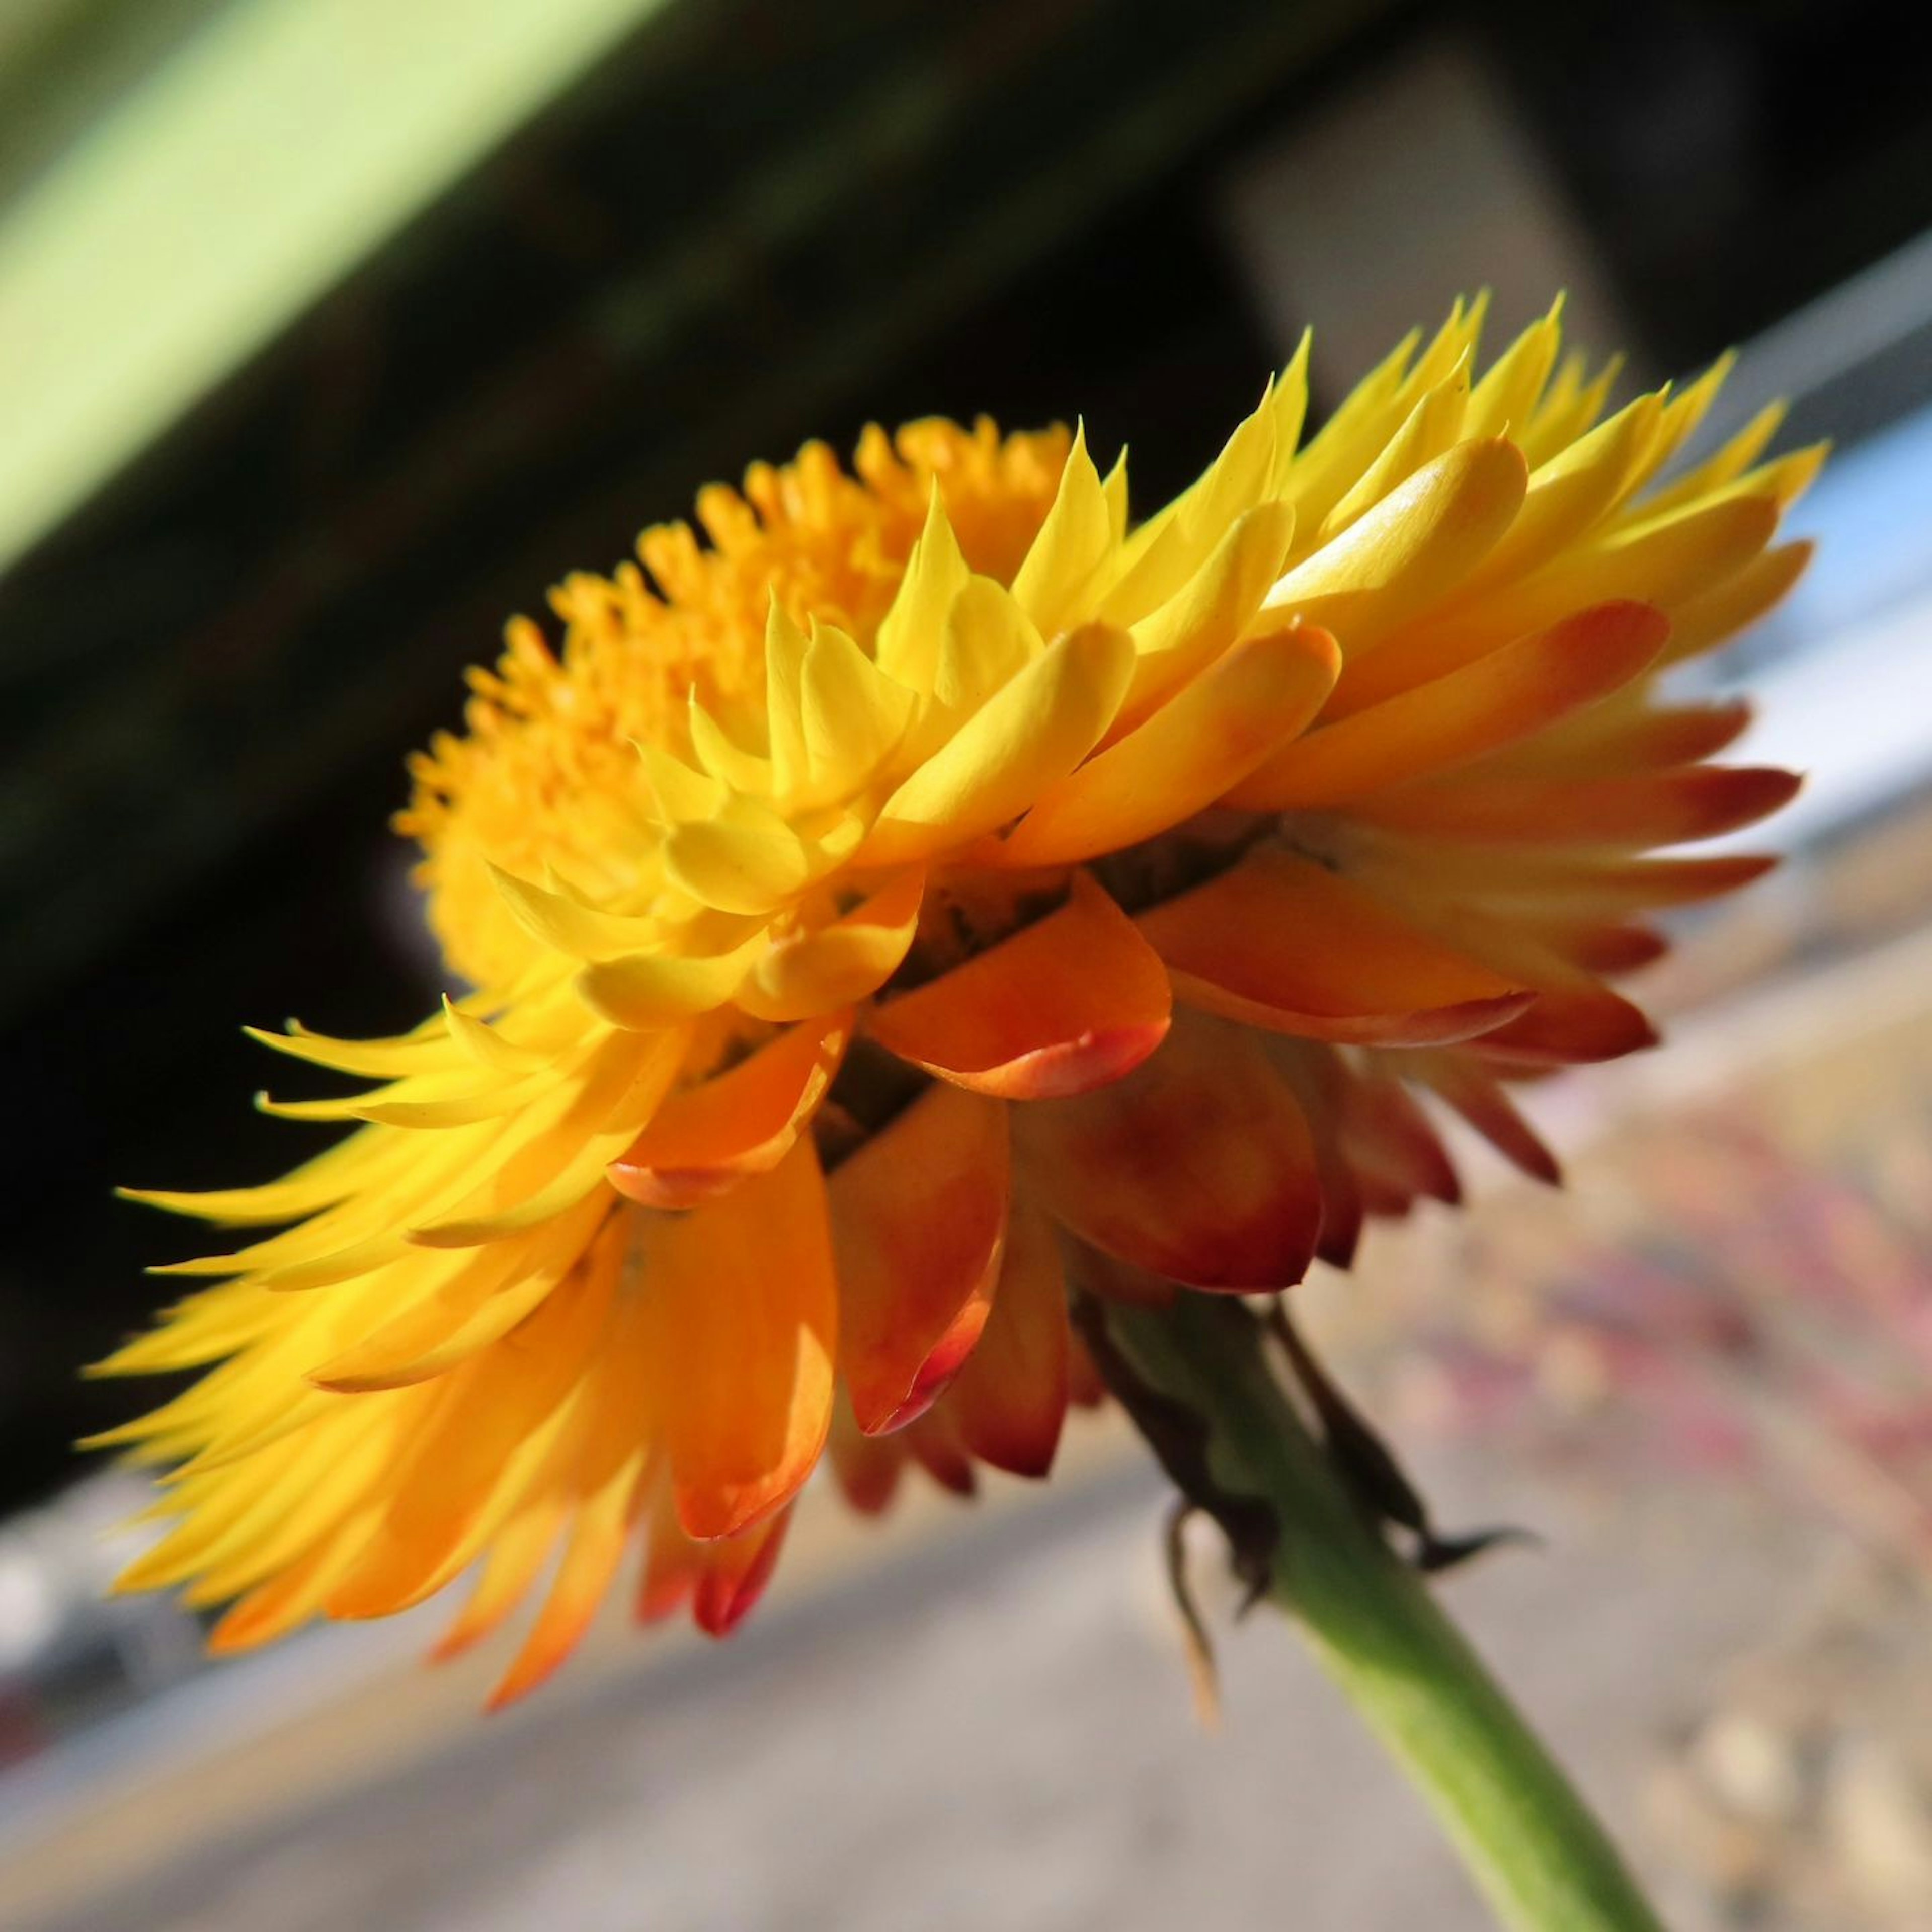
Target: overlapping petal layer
x: 933, y: 889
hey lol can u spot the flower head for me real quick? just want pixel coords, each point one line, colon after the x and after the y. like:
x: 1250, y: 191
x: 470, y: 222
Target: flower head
x: 934, y: 888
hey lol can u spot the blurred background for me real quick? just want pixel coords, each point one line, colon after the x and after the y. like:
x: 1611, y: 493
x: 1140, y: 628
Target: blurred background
x: 332, y: 331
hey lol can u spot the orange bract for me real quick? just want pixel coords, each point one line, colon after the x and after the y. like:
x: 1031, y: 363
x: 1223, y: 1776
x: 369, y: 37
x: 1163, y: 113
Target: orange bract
x: 932, y: 889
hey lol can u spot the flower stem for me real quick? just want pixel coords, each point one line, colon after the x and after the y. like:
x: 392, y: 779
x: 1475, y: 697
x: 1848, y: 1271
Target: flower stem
x: 1539, y: 1857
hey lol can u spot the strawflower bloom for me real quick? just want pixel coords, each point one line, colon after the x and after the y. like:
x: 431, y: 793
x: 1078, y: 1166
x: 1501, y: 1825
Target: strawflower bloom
x: 931, y: 888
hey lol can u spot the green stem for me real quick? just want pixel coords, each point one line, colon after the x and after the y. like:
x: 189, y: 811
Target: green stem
x: 1540, y: 1857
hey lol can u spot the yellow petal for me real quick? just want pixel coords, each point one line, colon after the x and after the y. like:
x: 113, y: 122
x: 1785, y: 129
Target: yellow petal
x: 987, y: 641
x: 562, y: 922
x: 1429, y: 428
x: 1737, y: 455
x: 785, y: 647
x: 722, y: 756
x: 910, y: 632
x: 1414, y: 545
x: 1569, y: 495
x: 1505, y: 399
x: 1208, y: 612
x: 854, y: 714
x: 748, y: 861
x: 1158, y: 560
x: 485, y: 1044
x: 647, y: 990
x: 1030, y: 734
x: 824, y: 968
x: 1740, y: 600
x: 1245, y: 705
x: 1076, y: 535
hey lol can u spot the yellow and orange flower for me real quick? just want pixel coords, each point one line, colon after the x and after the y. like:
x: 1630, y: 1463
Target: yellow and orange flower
x: 933, y: 888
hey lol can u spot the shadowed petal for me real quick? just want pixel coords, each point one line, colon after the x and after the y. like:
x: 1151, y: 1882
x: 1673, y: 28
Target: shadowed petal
x: 1280, y: 942
x: 1198, y: 1166
x: 1010, y: 1398
x: 919, y: 1215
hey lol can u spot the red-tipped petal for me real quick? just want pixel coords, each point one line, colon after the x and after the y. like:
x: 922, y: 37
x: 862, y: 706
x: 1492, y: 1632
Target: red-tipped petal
x: 1069, y: 1003
x: 1010, y: 1398
x: 1624, y: 738
x: 1478, y: 1096
x: 1606, y: 946
x: 712, y: 1136
x: 728, y: 1592
x: 1397, y: 1156
x: 722, y: 1581
x: 1648, y: 808
x: 919, y: 1213
x: 1198, y: 1166
x: 1572, y: 1025
x: 1280, y: 943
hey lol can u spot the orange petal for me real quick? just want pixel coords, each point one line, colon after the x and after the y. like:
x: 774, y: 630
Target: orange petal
x: 805, y: 975
x: 711, y: 1136
x: 1198, y: 1166
x: 745, y: 1310
x: 1010, y: 1398
x: 1281, y: 942
x: 500, y: 1417
x: 1648, y: 808
x: 919, y: 1213
x: 1500, y: 698
x: 1072, y: 1002
x: 510, y: 1566
x: 590, y: 1558
x: 1247, y: 704
x: 735, y: 1579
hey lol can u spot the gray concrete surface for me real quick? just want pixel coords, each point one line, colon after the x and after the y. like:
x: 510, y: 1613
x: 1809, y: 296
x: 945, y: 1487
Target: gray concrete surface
x: 994, y: 1730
